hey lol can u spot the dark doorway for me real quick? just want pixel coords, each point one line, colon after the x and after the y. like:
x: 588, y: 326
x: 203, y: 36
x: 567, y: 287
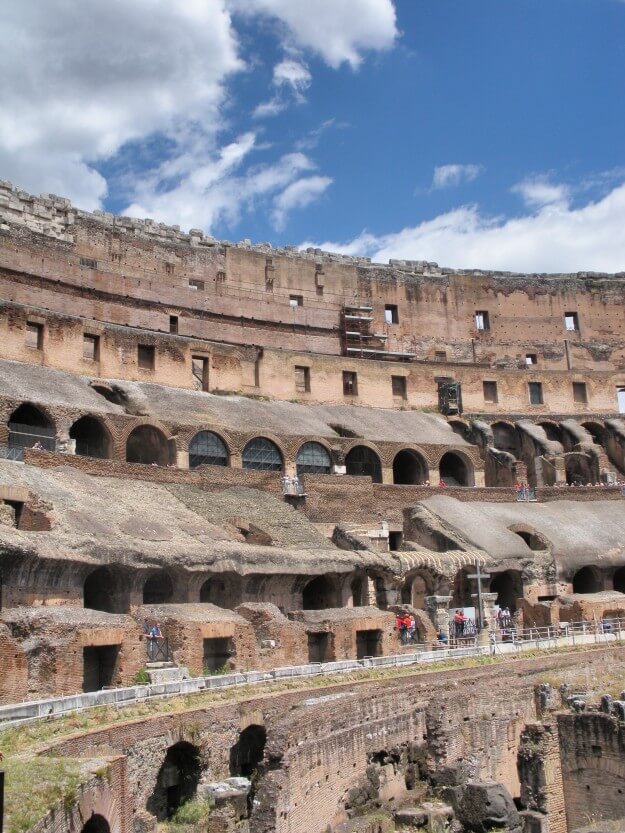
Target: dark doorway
x: 587, y: 580
x: 319, y: 594
x: 96, y: 824
x: 364, y: 462
x: 105, y: 590
x: 409, y: 468
x: 368, y: 644
x: 618, y: 581
x: 532, y: 539
x: 509, y: 587
x: 217, y: 653
x: 320, y: 647
x: 146, y: 444
x: 248, y: 751
x: 357, y: 588
x: 158, y: 589
x: 414, y: 592
x: 453, y: 470
x: 223, y: 590
x: 92, y: 438
x: 29, y: 425
x: 395, y: 540
x: 99, y: 664
x: 177, y: 780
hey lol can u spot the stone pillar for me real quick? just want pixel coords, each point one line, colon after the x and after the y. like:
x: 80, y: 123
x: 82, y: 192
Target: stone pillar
x: 182, y: 460
x: 488, y: 602
x: 479, y: 477
x: 540, y: 773
x: 560, y: 471
x: 437, y: 608
x: 387, y: 475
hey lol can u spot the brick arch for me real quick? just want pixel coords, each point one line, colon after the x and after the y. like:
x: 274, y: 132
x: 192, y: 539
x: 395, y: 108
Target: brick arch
x: 606, y: 763
x: 359, y: 441
x: 183, y: 439
x: 45, y: 410
x: 119, y: 450
x: 416, y: 450
x: 97, y: 799
x: 268, y: 435
x: 104, y: 423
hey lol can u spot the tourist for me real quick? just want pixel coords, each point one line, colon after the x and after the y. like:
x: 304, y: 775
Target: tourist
x: 442, y: 484
x: 296, y: 485
x: 38, y: 447
x: 459, y: 622
x: 442, y: 637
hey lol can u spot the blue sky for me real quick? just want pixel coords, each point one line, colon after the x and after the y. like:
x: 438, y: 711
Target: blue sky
x: 477, y: 133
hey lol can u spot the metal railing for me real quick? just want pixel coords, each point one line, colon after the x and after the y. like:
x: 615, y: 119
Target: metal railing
x: 567, y: 634
x: 11, y: 453
x: 26, y: 436
x: 157, y: 649
x: 526, y: 494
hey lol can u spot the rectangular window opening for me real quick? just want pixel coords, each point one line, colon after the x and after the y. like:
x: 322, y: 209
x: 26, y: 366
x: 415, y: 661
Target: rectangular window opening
x: 350, y: 383
x: 580, y: 393
x: 199, y: 366
x: 482, y: 320
x: 196, y: 284
x: 531, y: 358
x: 91, y: 347
x: 368, y: 644
x: 399, y: 387
x: 571, y: 321
x: 296, y: 300
x: 302, y: 379
x: 217, y: 653
x: 89, y: 262
x: 320, y: 647
x: 391, y: 314
x: 440, y: 356
x: 169, y: 268
x: 34, y: 335
x: 173, y: 324
x: 490, y: 392
x: 145, y: 356
x: 536, y: 393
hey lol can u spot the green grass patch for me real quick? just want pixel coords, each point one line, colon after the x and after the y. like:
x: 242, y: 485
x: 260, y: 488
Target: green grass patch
x: 33, y: 786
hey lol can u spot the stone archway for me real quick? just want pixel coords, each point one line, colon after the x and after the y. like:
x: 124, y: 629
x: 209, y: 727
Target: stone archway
x: 105, y: 589
x: 96, y: 824
x: 320, y: 593
x: 177, y: 780
x: 148, y: 445
x: 248, y: 751
x: 224, y: 590
x: 508, y: 586
x: 362, y: 461
x: 409, y: 468
x: 587, y: 580
x: 454, y: 470
x: 92, y: 438
x: 158, y: 589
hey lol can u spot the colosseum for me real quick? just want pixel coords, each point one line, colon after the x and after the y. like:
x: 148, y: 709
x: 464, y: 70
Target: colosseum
x: 248, y: 493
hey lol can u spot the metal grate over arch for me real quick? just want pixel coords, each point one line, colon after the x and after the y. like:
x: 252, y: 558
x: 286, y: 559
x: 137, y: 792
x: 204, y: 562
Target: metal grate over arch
x: 313, y: 458
x: 263, y: 455
x: 207, y: 449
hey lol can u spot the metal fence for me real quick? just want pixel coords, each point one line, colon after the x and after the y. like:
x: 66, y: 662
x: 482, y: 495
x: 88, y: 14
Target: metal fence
x: 9, y: 453
x: 26, y: 436
x: 157, y: 649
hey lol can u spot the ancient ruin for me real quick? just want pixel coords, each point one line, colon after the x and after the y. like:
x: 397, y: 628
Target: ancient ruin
x: 222, y: 459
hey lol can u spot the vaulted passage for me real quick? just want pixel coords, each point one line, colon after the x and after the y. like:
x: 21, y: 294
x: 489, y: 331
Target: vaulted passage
x: 96, y: 824
x: 363, y: 461
x: 28, y: 426
x: 414, y: 592
x: 158, y: 589
x: 146, y: 444
x: 106, y: 590
x: 92, y: 438
x: 587, y: 580
x: 319, y: 594
x: 506, y: 438
x: 248, y: 751
x: 453, y: 470
x: 618, y: 581
x: 177, y: 780
x: 223, y: 590
x: 509, y: 587
x: 409, y: 468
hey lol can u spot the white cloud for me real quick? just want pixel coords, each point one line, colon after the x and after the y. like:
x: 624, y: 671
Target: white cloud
x: 80, y: 80
x: 217, y: 190
x: 446, y: 176
x: 291, y: 79
x: 298, y: 194
x: 538, y: 192
x: 340, y: 31
x: 554, y: 238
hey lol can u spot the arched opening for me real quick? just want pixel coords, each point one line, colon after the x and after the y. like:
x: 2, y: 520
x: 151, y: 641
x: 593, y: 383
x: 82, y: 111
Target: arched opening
x: 92, y: 438
x: 364, y: 462
x: 509, y: 587
x: 461, y: 429
x: 596, y: 431
x: 506, y: 438
x: 158, y: 589
x: 579, y: 469
x: 177, y: 780
x: 414, y: 591
x: 319, y: 594
x: 587, y: 580
x: 553, y: 431
x: 28, y: 426
x: 263, y: 455
x: 618, y: 580
x: 223, y: 590
x: 105, y: 589
x: 248, y: 751
x: 96, y: 824
x: 313, y: 458
x: 146, y: 444
x: 409, y: 468
x: 453, y: 470
x: 207, y: 449
x: 533, y: 539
